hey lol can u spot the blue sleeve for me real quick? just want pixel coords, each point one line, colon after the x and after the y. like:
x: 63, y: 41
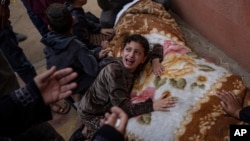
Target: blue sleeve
x: 89, y: 61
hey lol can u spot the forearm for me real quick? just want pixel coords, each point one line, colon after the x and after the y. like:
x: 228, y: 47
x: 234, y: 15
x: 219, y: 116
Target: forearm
x: 25, y: 108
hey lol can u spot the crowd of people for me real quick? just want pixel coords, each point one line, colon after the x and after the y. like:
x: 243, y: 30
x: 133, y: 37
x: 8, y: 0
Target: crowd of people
x: 75, y: 65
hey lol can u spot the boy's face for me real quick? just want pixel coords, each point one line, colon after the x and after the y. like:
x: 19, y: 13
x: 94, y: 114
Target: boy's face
x: 132, y: 56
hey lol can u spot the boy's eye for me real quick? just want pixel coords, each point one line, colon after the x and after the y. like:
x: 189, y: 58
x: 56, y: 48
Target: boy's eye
x: 138, y: 53
x: 128, y: 49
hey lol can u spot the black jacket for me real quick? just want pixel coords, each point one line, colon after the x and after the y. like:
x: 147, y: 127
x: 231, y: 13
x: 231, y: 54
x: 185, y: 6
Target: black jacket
x: 67, y: 51
x: 84, y: 24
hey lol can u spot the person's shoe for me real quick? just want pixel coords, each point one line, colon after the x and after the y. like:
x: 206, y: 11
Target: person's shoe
x: 20, y: 37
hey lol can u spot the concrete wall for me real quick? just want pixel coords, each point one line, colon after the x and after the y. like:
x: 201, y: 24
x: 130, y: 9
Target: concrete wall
x: 225, y: 23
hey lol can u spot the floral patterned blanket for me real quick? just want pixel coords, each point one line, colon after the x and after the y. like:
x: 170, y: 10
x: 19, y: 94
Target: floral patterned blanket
x: 192, y: 79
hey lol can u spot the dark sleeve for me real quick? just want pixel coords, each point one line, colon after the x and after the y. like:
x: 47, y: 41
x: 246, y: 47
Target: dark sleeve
x: 108, y: 133
x: 94, y: 25
x: 157, y: 52
x: 88, y: 60
x: 22, y: 109
x: 120, y: 90
x: 245, y: 114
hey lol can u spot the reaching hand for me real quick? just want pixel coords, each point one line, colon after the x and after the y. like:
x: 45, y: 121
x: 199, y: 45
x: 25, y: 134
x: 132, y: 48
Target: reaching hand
x: 157, y: 67
x: 163, y: 104
x: 117, y: 119
x: 54, y: 85
x: 230, y: 103
x: 104, y: 52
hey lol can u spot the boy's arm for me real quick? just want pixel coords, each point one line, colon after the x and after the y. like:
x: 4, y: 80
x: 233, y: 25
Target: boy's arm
x: 156, y: 57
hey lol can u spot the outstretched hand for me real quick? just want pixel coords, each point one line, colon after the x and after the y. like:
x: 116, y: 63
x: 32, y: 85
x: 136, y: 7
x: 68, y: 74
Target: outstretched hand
x: 164, y: 104
x: 157, y: 67
x: 117, y: 119
x: 55, y: 85
x: 230, y: 103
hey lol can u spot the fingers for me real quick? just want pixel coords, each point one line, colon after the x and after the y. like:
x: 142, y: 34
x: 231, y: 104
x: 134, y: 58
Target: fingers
x: 117, y: 119
x: 65, y: 75
x: 66, y: 90
x: 45, y: 75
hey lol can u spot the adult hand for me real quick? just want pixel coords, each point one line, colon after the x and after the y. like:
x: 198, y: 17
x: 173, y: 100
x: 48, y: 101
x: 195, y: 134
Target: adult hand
x: 163, y: 104
x: 54, y: 85
x: 117, y: 119
x: 230, y: 103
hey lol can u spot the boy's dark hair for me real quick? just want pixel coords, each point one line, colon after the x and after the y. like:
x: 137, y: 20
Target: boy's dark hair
x: 139, y: 39
x: 59, y: 18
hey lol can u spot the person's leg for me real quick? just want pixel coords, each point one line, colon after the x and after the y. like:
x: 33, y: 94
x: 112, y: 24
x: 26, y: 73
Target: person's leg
x: 38, y: 23
x: 15, y: 56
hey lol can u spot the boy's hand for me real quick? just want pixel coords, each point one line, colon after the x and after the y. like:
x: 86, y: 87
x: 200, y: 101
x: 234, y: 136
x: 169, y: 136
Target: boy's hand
x: 104, y: 44
x: 163, y: 104
x: 117, y: 119
x: 157, y: 67
x: 104, y: 52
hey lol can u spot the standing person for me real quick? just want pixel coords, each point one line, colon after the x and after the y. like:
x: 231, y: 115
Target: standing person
x: 9, y: 46
x: 114, y: 83
x: 233, y: 106
x: 85, y: 23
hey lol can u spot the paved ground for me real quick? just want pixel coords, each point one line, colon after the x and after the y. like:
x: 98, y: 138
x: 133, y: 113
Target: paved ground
x: 33, y: 49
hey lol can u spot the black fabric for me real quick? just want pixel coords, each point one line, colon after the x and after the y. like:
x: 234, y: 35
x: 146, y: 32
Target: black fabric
x: 21, y: 113
x: 108, y: 133
x: 245, y: 114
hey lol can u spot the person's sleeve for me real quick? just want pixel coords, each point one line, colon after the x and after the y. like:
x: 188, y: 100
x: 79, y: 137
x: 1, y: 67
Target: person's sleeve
x: 120, y: 90
x: 245, y: 114
x: 93, y: 25
x: 107, y: 133
x: 88, y: 61
x: 21, y: 109
x: 157, y: 52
